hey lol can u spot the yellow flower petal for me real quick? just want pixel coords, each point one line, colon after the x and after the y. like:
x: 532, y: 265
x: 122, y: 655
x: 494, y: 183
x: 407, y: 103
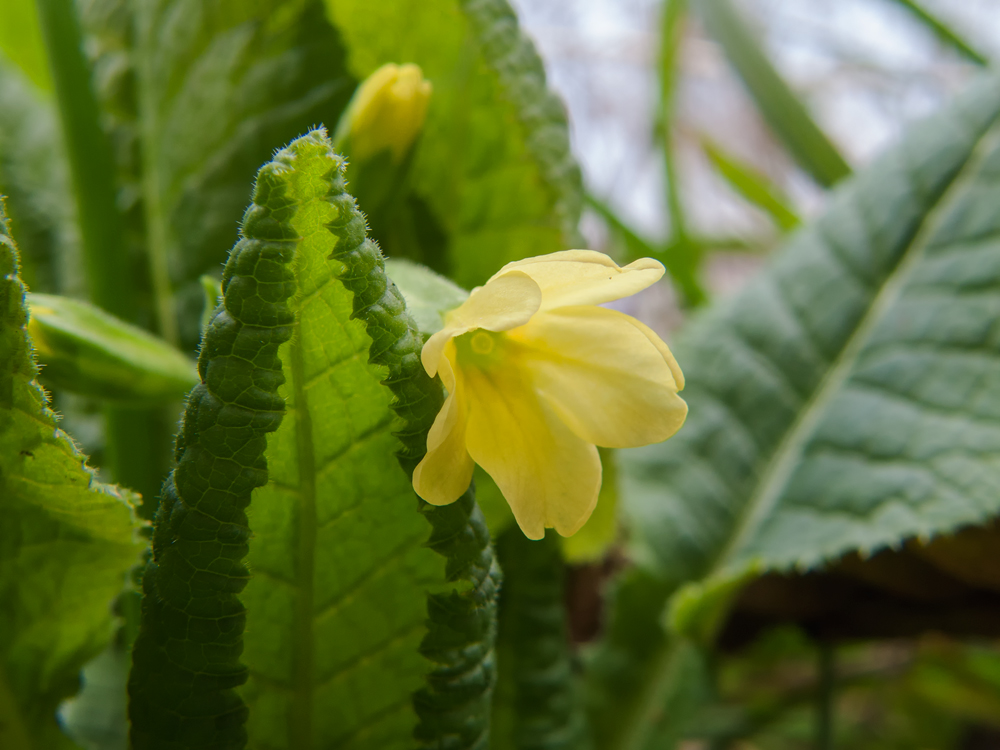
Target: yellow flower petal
x: 662, y: 348
x: 603, y: 374
x: 444, y: 474
x: 549, y: 476
x: 502, y: 304
x: 584, y: 277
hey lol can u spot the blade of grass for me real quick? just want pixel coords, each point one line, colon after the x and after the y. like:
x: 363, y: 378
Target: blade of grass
x: 752, y: 185
x: 682, y: 256
x: 943, y: 32
x: 777, y: 103
x: 92, y: 169
x: 672, y: 28
x: 635, y: 246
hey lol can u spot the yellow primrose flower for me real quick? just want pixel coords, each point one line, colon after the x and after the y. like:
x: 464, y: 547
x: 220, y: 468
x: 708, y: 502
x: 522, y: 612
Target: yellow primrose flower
x: 388, y: 111
x: 537, y: 376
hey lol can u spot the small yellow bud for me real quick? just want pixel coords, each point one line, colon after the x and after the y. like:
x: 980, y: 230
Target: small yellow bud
x: 388, y: 111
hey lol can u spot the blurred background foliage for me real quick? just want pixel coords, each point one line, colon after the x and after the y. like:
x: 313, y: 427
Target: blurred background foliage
x: 706, y: 133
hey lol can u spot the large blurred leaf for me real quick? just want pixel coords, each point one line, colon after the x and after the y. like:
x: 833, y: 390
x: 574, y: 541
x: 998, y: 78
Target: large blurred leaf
x: 219, y: 86
x: 493, y: 164
x: 337, y: 604
x: 848, y: 398
x: 66, y: 541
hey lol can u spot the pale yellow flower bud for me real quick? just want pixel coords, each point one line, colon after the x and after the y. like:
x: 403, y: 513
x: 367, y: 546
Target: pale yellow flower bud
x: 388, y: 111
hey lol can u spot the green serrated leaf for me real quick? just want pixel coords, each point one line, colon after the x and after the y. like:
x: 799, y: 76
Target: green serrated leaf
x: 541, y: 114
x: 66, y: 544
x: 186, y: 660
x: 493, y: 165
x: 846, y: 400
x: 337, y: 604
x: 84, y: 350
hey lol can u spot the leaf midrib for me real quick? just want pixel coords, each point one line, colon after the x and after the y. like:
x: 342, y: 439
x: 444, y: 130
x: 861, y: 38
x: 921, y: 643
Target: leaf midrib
x: 300, y: 719
x: 784, y: 459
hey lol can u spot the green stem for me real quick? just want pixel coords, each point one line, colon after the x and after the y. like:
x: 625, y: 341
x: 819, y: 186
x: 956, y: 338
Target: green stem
x: 105, y: 258
x: 92, y: 166
x: 944, y: 33
x: 671, y: 32
x: 825, y: 695
x: 649, y: 703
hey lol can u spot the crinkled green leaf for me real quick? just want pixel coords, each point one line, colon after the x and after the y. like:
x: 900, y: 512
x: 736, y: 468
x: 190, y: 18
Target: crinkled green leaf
x: 66, y: 542
x: 847, y: 399
x: 186, y: 660
x: 337, y: 604
x: 337, y: 608
x: 493, y: 163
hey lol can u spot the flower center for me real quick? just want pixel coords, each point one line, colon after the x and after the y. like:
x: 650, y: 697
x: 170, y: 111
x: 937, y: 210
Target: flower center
x: 481, y: 343
x: 480, y: 348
